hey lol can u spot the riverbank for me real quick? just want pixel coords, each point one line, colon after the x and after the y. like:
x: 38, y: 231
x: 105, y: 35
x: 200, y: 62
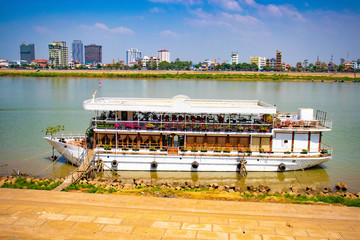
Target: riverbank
x: 188, y: 190
x: 195, y: 75
x: 32, y: 214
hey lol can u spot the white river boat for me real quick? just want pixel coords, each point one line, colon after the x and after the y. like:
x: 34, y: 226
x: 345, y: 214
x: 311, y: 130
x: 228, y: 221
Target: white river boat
x: 183, y: 134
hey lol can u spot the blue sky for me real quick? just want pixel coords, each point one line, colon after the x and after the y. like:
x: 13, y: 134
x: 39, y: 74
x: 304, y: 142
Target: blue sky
x: 190, y: 29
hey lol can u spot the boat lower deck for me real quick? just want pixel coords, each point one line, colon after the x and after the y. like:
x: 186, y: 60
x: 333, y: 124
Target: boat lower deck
x: 205, y: 162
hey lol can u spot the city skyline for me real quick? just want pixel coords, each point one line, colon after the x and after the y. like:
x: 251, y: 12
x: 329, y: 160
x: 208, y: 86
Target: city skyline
x: 192, y: 30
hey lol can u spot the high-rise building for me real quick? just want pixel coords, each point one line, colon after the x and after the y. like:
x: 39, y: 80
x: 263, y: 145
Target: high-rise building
x: 133, y: 55
x: 78, y: 51
x: 27, y: 52
x: 278, y: 61
x: 259, y: 61
x: 234, y: 58
x: 93, y: 54
x: 59, y: 54
x: 163, y: 55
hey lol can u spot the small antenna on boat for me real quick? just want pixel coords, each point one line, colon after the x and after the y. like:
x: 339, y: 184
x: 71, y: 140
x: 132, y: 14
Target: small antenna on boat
x: 94, y: 94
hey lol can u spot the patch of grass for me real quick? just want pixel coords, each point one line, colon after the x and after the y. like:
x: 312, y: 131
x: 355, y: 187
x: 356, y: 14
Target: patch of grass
x: 195, y: 193
x: 22, y: 183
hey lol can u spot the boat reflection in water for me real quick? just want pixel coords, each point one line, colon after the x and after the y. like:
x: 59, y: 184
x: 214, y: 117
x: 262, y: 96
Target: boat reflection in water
x: 315, y: 177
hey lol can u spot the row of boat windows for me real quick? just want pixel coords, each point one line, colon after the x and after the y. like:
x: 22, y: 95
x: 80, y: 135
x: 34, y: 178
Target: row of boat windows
x: 180, y: 140
x: 200, y: 118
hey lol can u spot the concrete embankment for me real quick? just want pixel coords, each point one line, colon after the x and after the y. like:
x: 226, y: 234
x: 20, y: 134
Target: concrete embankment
x: 32, y: 214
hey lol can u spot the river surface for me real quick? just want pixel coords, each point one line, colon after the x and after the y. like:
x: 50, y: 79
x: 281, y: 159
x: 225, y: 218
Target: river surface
x: 29, y: 105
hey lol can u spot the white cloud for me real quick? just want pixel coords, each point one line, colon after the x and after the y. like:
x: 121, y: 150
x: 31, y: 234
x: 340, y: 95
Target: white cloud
x: 117, y: 30
x: 232, y: 21
x: 227, y: 4
x: 168, y: 33
x: 242, y: 19
x: 250, y: 3
x: 42, y: 29
x: 155, y: 10
x: 275, y: 10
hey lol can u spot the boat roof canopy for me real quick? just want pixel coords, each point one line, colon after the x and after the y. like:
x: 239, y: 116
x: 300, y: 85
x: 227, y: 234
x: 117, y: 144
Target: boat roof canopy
x: 180, y: 104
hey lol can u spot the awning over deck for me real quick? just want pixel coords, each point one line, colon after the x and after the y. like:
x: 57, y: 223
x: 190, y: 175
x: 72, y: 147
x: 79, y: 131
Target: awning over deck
x: 180, y: 104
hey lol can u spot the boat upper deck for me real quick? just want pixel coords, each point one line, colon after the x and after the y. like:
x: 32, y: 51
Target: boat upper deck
x: 180, y: 104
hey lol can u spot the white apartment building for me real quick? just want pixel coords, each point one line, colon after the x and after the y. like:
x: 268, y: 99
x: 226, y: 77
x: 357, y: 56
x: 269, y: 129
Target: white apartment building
x: 133, y: 55
x: 354, y: 65
x: 259, y: 61
x: 234, y: 58
x: 163, y: 55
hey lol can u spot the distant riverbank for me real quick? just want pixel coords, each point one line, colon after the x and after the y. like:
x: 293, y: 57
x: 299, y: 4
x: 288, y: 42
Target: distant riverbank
x: 148, y: 74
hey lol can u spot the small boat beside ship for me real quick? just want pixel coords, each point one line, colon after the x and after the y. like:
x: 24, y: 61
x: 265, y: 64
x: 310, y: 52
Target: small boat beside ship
x: 183, y: 134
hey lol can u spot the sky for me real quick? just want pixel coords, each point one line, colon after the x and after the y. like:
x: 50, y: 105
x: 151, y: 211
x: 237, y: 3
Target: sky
x: 192, y: 30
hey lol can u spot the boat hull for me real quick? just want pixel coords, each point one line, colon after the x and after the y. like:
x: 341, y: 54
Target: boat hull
x: 130, y: 162
x: 72, y: 153
x: 205, y: 163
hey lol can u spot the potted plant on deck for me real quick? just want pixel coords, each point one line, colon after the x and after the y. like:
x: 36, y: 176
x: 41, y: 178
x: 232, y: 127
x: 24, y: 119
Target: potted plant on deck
x: 240, y: 128
x: 323, y: 151
x: 228, y: 128
x: 107, y: 147
x: 125, y: 148
x: 150, y: 126
x: 193, y: 149
x: 227, y: 150
x: 217, y: 150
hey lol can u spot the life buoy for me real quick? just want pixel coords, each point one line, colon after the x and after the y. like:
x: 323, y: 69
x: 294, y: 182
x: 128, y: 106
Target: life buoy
x: 195, y: 164
x: 281, y: 167
x: 154, y: 164
x: 114, y: 163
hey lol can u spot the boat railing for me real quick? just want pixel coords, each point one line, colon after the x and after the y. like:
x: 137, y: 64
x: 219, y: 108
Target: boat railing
x: 184, y: 126
x: 71, y: 135
x: 326, y: 149
x: 287, y: 123
x: 82, y: 157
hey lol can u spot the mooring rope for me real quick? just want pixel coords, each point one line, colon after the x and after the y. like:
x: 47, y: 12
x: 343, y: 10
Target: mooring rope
x: 52, y: 164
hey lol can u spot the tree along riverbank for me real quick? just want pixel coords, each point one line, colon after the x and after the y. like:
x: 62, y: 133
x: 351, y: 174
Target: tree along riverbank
x: 232, y: 76
x: 187, y: 189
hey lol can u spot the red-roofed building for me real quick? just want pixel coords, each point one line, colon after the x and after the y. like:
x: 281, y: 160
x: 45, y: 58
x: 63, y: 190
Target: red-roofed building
x: 40, y: 63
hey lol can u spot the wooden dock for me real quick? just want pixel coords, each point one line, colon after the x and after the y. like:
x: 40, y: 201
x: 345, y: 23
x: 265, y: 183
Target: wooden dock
x: 79, y: 172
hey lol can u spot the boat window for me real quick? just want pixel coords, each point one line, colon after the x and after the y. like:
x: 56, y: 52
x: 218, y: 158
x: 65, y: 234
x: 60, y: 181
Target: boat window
x: 124, y: 116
